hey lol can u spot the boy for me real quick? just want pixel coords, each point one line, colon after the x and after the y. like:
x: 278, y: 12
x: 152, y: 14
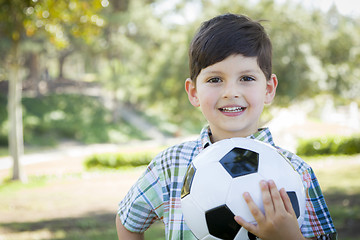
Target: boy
x: 230, y: 81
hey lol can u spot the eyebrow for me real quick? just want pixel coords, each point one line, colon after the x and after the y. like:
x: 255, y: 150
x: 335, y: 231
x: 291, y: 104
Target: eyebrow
x: 213, y: 72
x: 240, y: 72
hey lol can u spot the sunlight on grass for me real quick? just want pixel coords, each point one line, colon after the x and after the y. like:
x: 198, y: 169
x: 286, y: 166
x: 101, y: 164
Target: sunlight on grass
x: 338, y: 176
x: 35, y: 234
x: 156, y: 232
x: 339, y: 179
x: 4, y: 151
x: 334, y: 174
x: 344, y: 179
x: 8, y: 186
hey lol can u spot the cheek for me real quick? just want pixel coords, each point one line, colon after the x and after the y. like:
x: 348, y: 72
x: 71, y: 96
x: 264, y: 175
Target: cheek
x: 206, y: 103
x: 255, y: 99
x: 207, y: 96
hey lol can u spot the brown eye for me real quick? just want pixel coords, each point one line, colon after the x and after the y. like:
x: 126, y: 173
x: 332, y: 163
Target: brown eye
x: 247, y: 79
x: 214, y: 80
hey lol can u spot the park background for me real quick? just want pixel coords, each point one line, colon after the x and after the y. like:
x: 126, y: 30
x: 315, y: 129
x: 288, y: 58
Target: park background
x: 91, y: 90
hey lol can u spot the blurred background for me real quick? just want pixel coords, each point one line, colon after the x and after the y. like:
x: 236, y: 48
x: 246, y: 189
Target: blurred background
x: 91, y: 90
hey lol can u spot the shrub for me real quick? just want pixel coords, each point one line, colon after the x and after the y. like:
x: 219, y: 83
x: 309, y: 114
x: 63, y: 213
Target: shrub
x: 48, y: 119
x: 329, y: 146
x: 118, y: 160
x: 64, y: 116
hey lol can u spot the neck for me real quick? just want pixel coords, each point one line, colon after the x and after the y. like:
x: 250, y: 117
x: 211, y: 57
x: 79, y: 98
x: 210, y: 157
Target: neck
x: 218, y: 137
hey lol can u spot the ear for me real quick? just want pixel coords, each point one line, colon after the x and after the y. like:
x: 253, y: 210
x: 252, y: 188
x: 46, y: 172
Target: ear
x: 271, y: 86
x: 191, y: 92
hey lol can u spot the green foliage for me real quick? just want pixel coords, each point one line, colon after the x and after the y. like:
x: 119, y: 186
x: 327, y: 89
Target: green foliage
x: 329, y: 146
x: 119, y: 160
x: 51, y: 118
x: 76, y: 117
x: 66, y: 116
x: 144, y: 61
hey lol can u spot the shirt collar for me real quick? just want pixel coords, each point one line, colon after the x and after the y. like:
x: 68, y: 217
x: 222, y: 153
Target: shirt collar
x: 263, y: 134
x: 205, y: 137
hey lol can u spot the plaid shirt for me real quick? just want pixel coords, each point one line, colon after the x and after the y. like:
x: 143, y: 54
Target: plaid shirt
x: 156, y: 195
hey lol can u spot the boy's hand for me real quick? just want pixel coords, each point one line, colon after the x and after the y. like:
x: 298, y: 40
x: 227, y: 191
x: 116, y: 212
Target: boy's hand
x: 279, y: 221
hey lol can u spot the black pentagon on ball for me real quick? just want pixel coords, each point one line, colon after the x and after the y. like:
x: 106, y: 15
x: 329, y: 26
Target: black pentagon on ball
x: 221, y: 223
x: 252, y: 236
x: 239, y: 162
x: 189, y: 176
x: 294, y: 202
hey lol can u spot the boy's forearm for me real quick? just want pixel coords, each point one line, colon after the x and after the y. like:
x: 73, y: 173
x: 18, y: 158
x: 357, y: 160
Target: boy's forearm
x: 124, y: 234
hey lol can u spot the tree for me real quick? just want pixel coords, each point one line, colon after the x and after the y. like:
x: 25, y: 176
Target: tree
x: 23, y: 19
x: 129, y: 44
x: 310, y: 53
x: 12, y: 17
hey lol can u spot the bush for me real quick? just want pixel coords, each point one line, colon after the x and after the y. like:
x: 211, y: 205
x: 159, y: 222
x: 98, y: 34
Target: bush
x: 65, y: 116
x: 329, y: 146
x: 118, y: 160
x: 48, y: 119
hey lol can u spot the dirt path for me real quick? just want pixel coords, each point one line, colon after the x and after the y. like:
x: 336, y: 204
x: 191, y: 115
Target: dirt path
x: 68, y: 192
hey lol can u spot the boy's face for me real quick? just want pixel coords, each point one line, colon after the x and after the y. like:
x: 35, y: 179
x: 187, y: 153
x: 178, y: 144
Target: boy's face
x: 231, y: 95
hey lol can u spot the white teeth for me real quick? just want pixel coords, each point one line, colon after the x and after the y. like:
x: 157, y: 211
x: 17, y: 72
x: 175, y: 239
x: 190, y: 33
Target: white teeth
x: 232, y: 109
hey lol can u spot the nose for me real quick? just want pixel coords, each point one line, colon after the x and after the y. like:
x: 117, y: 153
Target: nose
x: 231, y: 90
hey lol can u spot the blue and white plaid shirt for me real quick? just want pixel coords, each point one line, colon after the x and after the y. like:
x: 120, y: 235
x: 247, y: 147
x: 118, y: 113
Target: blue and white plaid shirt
x: 156, y: 195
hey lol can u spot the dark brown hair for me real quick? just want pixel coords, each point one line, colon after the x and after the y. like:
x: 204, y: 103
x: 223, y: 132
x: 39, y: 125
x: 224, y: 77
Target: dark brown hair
x: 229, y: 34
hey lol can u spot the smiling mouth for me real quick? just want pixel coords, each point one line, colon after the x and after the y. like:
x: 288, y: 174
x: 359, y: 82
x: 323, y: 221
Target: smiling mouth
x: 232, y: 109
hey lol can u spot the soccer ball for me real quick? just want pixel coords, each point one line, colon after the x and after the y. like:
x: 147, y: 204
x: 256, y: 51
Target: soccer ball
x: 216, y: 179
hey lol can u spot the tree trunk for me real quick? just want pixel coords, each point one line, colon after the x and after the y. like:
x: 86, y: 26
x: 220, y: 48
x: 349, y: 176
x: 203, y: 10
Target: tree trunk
x: 33, y: 80
x: 62, y: 58
x: 61, y: 66
x: 16, y: 142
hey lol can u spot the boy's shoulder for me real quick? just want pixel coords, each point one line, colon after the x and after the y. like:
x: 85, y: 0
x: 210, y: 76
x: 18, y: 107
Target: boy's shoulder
x: 187, y: 149
x: 184, y: 150
x: 173, y: 162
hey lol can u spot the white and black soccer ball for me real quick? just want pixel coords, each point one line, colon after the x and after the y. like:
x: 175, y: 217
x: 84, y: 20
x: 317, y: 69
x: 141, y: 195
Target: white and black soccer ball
x: 216, y: 179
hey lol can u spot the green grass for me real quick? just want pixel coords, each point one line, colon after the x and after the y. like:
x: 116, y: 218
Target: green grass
x: 156, y: 232
x: 4, y: 151
x: 92, y: 227
x: 9, y: 187
x: 340, y: 182
x: 338, y: 176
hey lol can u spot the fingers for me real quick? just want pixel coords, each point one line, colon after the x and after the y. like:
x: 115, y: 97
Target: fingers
x: 254, y: 209
x: 287, y: 202
x: 267, y: 198
x: 272, y: 201
x: 275, y: 196
x: 248, y: 226
x: 280, y: 200
x: 279, y: 218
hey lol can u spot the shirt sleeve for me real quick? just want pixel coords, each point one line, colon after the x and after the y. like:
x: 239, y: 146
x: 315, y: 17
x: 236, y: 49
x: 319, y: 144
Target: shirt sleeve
x: 318, y: 223
x: 142, y: 204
